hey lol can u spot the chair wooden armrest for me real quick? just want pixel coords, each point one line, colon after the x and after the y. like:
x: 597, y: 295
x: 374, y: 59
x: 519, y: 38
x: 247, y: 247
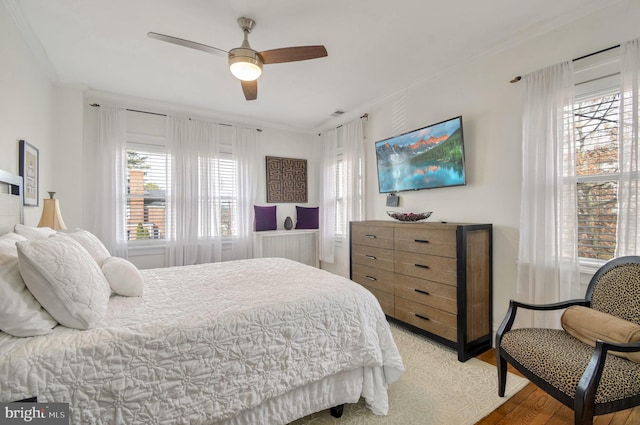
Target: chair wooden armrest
x: 588, y: 385
x: 510, y: 317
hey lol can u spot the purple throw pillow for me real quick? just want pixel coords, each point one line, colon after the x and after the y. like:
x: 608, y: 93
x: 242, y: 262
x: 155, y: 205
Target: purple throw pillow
x: 265, y: 218
x: 307, y: 218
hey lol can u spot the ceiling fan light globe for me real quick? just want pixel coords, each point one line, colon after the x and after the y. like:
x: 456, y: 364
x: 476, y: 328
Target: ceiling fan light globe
x: 245, y: 71
x: 245, y: 64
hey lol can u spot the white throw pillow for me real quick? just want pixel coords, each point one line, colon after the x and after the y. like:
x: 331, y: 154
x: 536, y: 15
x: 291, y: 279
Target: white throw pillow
x: 33, y: 233
x: 20, y: 313
x: 65, y: 279
x: 123, y: 277
x: 90, y: 242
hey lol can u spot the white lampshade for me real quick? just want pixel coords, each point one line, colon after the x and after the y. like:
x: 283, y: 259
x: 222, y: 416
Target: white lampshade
x: 51, y: 216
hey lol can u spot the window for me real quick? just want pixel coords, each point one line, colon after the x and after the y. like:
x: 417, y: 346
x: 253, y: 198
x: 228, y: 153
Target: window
x: 340, y: 205
x: 349, y: 177
x: 147, y: 178
x: 596, y: 116
x: 596, y: 136
x: 227, y: 203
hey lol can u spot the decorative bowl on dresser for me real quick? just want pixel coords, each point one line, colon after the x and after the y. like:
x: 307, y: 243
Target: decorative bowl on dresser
x: 435, y: 278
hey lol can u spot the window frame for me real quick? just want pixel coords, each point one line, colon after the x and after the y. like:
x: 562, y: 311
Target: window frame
x: 595, y: 76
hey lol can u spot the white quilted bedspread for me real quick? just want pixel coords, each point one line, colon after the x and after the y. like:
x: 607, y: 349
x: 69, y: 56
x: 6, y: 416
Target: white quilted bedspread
x: 206, y: 342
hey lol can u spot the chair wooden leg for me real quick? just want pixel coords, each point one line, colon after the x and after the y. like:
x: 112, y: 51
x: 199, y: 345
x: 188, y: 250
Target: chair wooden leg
x: 583, y: 418
x: 501, y: 364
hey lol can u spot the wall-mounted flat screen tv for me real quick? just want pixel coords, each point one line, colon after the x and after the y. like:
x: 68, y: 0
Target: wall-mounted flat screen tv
x: 426, y: 158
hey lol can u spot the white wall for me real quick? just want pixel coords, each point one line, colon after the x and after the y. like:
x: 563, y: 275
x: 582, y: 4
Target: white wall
x: 490, y: 106
x: 289, y: 145
x: 68, y: 139
x: 26, y: 108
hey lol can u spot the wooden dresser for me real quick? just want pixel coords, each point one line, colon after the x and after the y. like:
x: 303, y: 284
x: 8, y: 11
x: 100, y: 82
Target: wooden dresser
x: 434, y: 277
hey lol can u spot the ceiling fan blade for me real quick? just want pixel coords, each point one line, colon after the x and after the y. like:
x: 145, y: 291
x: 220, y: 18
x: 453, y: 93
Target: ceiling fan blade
x: 250, y: 89
x: 187, y: 43
x: 293, y: 54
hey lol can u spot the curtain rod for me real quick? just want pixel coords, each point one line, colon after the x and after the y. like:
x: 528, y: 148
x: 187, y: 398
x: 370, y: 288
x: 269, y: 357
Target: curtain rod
x: 97, y: 105
x: 519, y: 77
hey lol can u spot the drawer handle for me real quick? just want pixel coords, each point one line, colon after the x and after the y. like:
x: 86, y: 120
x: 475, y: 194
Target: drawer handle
x: 421, y: 317
x: 370, y: 257
x: 420, y: 291
x: 422, y: 266
x: 370, y: 278
x: 370, y: 236
x: 421, y: 240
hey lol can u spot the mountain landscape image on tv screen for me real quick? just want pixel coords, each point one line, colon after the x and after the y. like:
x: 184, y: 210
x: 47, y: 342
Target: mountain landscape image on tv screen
x: 426, y: 158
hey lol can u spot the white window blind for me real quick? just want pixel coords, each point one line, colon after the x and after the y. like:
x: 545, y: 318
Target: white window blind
x: 147, y: 177
x: 227, y: 203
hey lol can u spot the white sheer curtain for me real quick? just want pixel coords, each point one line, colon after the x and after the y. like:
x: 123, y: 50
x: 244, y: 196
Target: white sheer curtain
x: 353, y: 158
x: 244, y: 153
x: 328, y: 196
x: 192, y: 216
x: 548, y: 255
x: 348, y: 138
x: 109, y: 162
x: 628, y: 242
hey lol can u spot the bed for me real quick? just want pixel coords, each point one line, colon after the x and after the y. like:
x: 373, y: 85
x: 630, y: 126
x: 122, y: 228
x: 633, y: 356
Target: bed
x: 260, y: 341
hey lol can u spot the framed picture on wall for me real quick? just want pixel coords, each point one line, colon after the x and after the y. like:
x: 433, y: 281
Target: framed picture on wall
x: 29, y: 163
x: 286, y: 179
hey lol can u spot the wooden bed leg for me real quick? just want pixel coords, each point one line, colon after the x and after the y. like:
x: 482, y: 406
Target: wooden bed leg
x: 336, y: 411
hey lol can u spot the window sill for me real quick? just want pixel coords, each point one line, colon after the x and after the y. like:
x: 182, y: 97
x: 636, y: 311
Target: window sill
x: 590, y: 266
x: 146, y: 248
x: 139, y: 248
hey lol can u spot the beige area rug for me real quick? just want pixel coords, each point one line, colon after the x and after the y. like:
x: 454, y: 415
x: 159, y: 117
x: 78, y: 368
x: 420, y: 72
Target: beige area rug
x: 436, y: 389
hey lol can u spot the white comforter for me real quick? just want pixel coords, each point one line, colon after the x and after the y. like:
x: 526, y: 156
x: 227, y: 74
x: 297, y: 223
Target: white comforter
x: 205, y: 343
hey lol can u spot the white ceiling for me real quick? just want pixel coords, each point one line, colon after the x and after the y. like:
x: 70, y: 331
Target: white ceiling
x: 375, y: 47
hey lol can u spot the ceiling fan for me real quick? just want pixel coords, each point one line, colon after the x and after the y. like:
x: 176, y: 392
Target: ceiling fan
x: 246, y: 63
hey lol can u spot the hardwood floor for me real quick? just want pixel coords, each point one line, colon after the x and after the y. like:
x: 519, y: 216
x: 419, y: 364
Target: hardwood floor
x: 535, y: 407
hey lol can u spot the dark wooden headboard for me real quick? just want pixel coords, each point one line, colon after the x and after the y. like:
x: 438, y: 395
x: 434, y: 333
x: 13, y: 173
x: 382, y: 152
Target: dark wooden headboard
x: 11, y: 209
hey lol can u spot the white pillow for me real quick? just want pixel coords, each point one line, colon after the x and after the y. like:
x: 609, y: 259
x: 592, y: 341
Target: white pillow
x: 64, y: 278
x: 123, y: 277
x: 20, y: 313
x: 33, y: 233
x: 90, y: 242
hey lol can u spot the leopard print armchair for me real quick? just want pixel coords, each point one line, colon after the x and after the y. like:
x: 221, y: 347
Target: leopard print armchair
x: 584, y: 378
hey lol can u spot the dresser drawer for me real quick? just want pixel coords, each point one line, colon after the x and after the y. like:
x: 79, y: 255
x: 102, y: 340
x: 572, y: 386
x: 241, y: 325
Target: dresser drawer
x: 386, y: 300
x: 429, y: 267
x: 428, y: 318
x: 369, y: 256
x: 370, y: 277
x: 426, y: 241
x: 377, y: 236
x: 434, y: 294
